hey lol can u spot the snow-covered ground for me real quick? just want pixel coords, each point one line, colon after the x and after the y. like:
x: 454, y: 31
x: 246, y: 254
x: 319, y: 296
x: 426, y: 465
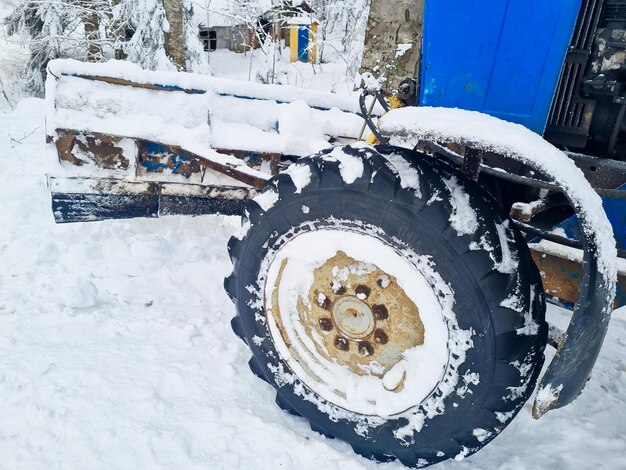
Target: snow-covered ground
x: 116, y: 351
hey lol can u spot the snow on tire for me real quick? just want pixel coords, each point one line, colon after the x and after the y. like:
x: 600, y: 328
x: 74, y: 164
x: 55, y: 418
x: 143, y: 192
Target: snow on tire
x: 389, y: 302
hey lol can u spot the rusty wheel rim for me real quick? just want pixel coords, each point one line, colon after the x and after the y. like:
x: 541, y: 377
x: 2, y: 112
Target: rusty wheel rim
x: 352, y: 321
x: 364, y: 317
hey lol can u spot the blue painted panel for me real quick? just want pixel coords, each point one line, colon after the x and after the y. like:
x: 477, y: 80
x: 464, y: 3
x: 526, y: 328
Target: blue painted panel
x: 500, y: 57
x: 303, y: 43
x: 616, y: 212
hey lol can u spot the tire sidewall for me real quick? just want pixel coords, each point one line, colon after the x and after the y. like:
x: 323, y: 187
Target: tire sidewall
x: 404, y: 223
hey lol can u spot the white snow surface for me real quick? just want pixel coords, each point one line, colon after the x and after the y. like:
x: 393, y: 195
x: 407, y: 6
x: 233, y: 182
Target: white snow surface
x: 144, y: 372
x: 129, y: 71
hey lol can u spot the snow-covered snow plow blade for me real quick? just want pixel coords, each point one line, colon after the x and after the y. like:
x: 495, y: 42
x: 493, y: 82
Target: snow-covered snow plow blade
x: 130, y: 143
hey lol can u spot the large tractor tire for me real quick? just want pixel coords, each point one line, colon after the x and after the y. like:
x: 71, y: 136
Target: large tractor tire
x: 389, y: 302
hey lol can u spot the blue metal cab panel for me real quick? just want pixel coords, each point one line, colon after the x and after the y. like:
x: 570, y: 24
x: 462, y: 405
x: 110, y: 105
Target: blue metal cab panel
x: 499, y: 57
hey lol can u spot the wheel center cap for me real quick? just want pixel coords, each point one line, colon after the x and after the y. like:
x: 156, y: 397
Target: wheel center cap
x: 353, y: 317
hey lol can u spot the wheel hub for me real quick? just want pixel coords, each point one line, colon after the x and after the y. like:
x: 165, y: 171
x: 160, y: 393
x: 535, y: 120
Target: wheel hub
x: 353, y: 317
x: 358, y: 316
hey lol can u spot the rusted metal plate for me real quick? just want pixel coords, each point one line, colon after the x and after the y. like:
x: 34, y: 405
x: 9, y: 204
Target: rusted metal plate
x: 103, y: 150
x: 362, y: 318
x: 561, y: 278
x: 227, y: 170
x: 355, y: 315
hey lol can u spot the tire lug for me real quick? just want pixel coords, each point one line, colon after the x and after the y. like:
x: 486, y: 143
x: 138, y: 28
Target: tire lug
x: 380, y: 337
x: 326, y: 324
x: 380, y: 312
x: 342, y: 343
x: 365, y: 348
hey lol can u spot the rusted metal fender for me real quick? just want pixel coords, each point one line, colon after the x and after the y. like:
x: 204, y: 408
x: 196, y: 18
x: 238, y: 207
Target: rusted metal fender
x: 577, y: 352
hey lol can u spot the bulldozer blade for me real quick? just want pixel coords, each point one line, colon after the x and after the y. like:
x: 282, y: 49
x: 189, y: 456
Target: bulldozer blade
x: 87, y: 200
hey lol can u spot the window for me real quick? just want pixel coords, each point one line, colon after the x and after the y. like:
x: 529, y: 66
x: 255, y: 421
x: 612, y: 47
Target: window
x: 212, y: 40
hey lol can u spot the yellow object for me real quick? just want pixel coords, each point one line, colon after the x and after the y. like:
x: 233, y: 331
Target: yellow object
x: 372, y: 140
x: 293, y: 43
x: 394, y: 103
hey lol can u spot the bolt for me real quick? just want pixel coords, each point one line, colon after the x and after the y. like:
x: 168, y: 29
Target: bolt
x: 383, y: 281
x: 342, y: 343
x: 326, y: 324
x: 362, y: 292
x: 380, y: 312
x: 365, y: 348
x: 380, y: 337
x: 338, y: 288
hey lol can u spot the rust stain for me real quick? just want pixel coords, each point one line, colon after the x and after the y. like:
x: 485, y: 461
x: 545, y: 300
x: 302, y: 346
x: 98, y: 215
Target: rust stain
x: 398, y: 325
x: 65, y: 145
x: 561, y: 277
x: 103, y: 150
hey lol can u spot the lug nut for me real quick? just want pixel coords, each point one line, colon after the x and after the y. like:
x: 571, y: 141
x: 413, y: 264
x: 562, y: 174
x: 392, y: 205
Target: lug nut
x: 383, y: 281
x: 380, y: 337
x: 380, y: 312
x: 337, y: 288
x: 365, y: 348
x: 323, y: 301
x: 362, y: 292
x: 326, y: 324
x: 342, y: 343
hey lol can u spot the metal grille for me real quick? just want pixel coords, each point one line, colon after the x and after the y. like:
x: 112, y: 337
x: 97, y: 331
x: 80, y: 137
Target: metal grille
x: 586, y: 25
x: 615, y: 11
x: 570, y: 115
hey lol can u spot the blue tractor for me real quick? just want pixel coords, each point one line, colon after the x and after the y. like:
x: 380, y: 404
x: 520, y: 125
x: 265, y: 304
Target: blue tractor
x: 393, y: 291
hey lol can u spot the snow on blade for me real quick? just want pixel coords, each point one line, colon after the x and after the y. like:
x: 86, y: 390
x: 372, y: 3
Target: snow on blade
x: 300, y: 134
x: 128, y: 71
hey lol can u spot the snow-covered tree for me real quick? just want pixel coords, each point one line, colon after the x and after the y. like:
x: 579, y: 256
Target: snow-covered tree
x: 195, y: 57
x: 341, y: 28
x: 59, y: 28
x: 158, y: 34
x: 140, y: 27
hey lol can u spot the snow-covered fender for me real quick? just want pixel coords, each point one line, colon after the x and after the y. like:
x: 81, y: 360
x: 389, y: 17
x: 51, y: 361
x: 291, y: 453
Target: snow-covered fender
x: 577, y: 352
